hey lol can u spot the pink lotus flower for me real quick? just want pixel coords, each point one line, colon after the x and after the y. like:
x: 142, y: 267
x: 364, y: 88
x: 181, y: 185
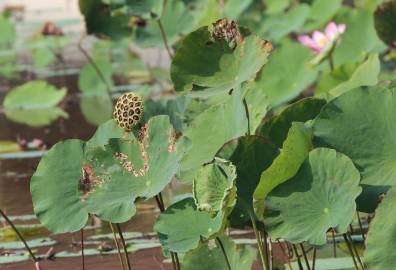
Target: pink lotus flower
x: 320, y: 41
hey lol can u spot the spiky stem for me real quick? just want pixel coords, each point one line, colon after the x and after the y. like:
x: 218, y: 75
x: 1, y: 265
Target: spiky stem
x: 124, y: 246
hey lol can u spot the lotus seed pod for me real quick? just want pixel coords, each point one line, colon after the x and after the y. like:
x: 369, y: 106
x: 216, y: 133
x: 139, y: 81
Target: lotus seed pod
x: 226, y: 30
x: 385, y: 22
x: 128, y: 111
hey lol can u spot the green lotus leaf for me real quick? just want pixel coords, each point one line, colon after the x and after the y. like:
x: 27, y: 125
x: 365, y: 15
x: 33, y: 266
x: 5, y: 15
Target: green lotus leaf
x: 364, y: 132
x: 257, y: 102
x: 321, y: 12
x: 206, y: 257
x: 126, y: 169
x: 90, y: 83
x: 35, y: 117
x: 211, y: 129
x: 178, y: 19
x: 55, y: 188
x: 100, y: 20
x: 217, y: 67
x: 33, y: 95
x: 359, y: 38
x: 251, y: 155
x: 276, y: 26
x: 7, y: 32
x: 175, y: 108
x: 380, y: 252
x: 176, y: 235
x: 294, y: 151
x: 96, y: 109
x: 214, y: 186
x: 276, y: 6
x: 319, y: 197
x: 366, y: 74
x: 234, y: 8
x: 105, y: 132
x: 335, y: 77
x: 276, y: 128
x: 292, y: 61
x: 144, y: 8
x: 385, y: 22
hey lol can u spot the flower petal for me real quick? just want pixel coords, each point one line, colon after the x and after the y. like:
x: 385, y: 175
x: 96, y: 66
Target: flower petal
x: 308, y: 42
x: 320, y: 39
x: 341, y: 28
x: 331, y: 30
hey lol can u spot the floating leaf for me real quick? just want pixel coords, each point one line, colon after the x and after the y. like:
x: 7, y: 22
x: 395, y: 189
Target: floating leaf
x: 319, y: 197
x: 33, y: 103
x: 55, y: 188
x: 276, y: 128
x: 33, y: 95
x: 35, y: 117
x: 229, y: 120
x: 39, y: 242
x: 364, y: 132
x: 381, y: 253
x: 294, y: 151
x: 208, y: 258
x: 251, y: 155
x: 214, y: 186
x: 217, y: 67
x: 174, y: 232
x: 9, y: 147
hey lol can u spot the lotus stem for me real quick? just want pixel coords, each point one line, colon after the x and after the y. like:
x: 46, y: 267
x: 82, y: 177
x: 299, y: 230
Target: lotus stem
x: 334, y: 243
x: 266, y: 249
x: 20, y: 237
x: 360, y: 226
x: 161, y: 206
x: 117, y: 245
x: 257, y: 235
x: 164, y: 39
x: 247, y: 114
x: 305, y: 256
x: 331, y: 61
x: 350, y: 250
x: 82, y: 248
x: 94, y: 65
x: 287, y: 257
x: 355, y: 250
x: 298, y: 257
x: 224, y: 253
x: 314, y: 259
x: 124, y: 246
